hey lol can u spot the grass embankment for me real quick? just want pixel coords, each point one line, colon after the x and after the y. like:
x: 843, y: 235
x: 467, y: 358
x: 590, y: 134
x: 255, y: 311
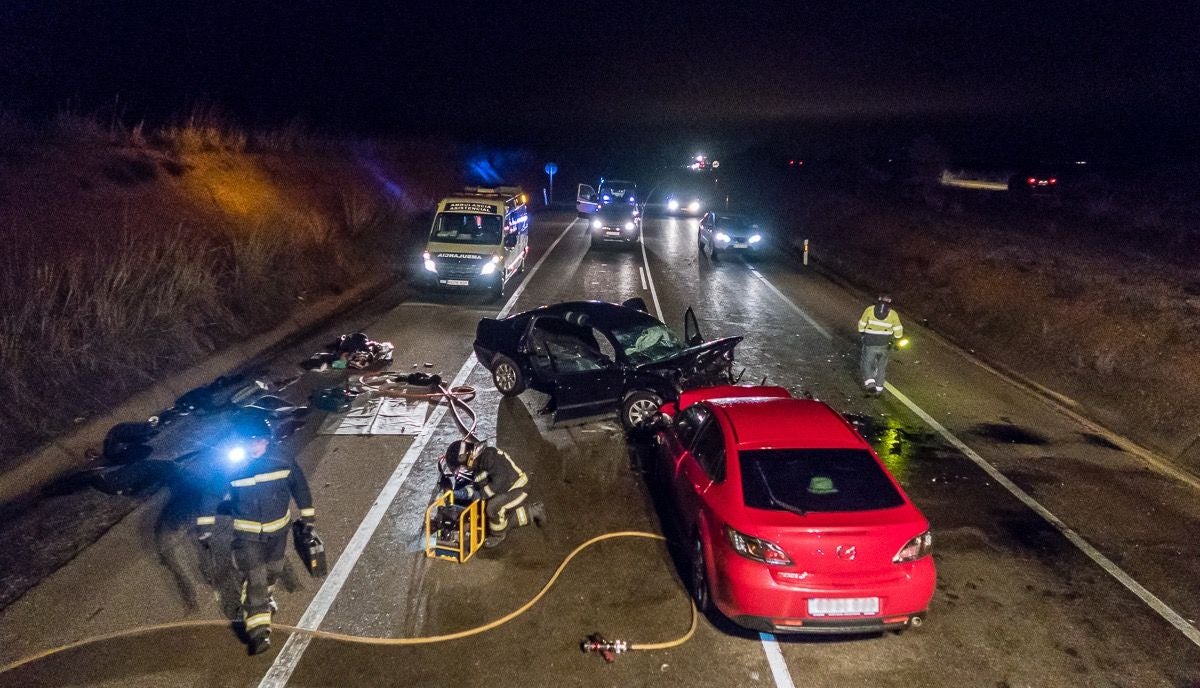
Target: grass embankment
x: 1093, y: 293
x: 130, y: 255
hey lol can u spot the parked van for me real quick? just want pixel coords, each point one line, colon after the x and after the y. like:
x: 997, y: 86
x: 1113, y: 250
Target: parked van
x: 479, y: 240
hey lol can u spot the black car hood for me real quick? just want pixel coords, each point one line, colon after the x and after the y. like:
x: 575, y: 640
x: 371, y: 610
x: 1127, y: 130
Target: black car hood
x: 691, y: 355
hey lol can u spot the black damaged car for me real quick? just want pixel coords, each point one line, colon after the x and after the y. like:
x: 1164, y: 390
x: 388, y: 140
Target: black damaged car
x: 593, y: 357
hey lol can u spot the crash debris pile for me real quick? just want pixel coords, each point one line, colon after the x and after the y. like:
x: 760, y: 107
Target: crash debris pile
x: 356, y: 351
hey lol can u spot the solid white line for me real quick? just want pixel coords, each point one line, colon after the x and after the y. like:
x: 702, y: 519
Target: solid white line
x: 1150, y: 599
x: 289, y: 657
x: 642, y: 274
x: 783, y: 679
x: 650, y: 277
x: 807, y: 318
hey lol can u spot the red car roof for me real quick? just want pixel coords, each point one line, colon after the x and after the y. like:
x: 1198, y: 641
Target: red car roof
x: 760, y: 422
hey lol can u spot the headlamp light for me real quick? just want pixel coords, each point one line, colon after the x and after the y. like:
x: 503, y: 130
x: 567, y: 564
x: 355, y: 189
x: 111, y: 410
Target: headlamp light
x: 694, y: 206
x: 672, y: 205
x: 236, y: 454
x: 629, y: 226
x: 722, y: 236
x: 756, y: 238
x: 490, y: 266
x: 597, y: 224
x: 429, y: 264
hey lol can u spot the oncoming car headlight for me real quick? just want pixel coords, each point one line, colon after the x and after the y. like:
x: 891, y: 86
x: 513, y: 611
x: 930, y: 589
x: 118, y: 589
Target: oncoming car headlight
x: 722, y: 236
x: 597, y: 224
x: 756, y: 238
x: 694, y: 206
x: 672, y: 205
x: 490, y: 266
x: 429, y: 264
x: 629, y: 226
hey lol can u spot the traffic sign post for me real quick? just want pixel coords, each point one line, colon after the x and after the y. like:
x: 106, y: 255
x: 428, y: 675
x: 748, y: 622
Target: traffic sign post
x: 551, y: 169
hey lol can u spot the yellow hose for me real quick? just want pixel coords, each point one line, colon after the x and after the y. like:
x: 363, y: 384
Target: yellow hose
x: 367, y: 640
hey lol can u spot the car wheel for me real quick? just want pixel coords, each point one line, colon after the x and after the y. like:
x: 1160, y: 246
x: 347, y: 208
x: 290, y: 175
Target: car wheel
x: 507, y: 376
x: 701, y: 593
x: 638, y: 409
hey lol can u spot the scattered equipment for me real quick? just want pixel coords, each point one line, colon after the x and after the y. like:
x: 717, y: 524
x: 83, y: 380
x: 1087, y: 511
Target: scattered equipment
x: 453, y: 531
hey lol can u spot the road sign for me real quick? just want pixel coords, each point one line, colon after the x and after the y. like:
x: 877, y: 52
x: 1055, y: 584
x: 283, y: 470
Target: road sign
x: 551, y: 168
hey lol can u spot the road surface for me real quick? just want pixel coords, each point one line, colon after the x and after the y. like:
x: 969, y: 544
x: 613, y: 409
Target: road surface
x: 1062, y: 560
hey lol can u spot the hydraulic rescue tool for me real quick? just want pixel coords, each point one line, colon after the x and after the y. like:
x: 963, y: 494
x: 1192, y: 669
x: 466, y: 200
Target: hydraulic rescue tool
x: 311, y: 549
x: 453, y: 531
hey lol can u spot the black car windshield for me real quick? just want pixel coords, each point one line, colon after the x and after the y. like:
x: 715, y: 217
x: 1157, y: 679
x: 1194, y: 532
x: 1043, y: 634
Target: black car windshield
x: 461, y: 228
x: 817, y: 480
x: 616, y: 192
x: 648, y: 343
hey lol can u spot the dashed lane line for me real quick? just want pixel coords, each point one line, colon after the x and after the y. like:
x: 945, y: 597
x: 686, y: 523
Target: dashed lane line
x: 289, y: 657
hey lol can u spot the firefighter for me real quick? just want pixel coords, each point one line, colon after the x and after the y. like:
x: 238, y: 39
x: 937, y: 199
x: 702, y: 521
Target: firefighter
x: 880, y: 328
x: 261, y: 484
x: 499, y: 480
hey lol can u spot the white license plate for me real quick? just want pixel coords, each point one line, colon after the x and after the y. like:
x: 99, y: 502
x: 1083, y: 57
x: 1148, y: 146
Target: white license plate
x: 845, y: 606
x: 458, y: 283
x: 739, y: 244
x: 612, y: 232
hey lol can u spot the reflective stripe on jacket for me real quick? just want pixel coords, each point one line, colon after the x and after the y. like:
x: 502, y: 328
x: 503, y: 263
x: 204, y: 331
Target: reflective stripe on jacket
x: 496, y: 472
x: 878, y: 328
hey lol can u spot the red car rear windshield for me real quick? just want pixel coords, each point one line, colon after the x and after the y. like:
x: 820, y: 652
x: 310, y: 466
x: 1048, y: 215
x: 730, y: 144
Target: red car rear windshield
x: 816, y: 480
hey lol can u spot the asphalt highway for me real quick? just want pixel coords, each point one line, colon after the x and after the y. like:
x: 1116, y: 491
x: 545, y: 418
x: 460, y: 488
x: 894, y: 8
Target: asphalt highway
x: 1062, y: 560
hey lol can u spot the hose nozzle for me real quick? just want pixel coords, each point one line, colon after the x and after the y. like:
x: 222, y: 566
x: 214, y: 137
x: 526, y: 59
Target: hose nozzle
x: 608, y: 649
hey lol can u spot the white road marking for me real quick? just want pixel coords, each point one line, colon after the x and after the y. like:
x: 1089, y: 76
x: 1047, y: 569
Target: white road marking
x: 642, y: 274
x: 1150, y: 599
x: 783, y: 678
x: 803, y: 314
x: 650, y: 277
x: 289, y: 657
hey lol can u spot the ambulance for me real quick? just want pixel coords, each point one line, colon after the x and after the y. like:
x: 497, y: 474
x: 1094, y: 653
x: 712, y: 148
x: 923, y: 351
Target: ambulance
x: 479, y: 240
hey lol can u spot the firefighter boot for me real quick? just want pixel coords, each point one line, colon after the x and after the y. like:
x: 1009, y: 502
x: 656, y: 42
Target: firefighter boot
x: 494, y: 539
x: 537, y: 512
x: 260, y: 641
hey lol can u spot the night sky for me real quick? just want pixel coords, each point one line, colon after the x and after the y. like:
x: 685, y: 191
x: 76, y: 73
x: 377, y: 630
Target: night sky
x: 555, y: 70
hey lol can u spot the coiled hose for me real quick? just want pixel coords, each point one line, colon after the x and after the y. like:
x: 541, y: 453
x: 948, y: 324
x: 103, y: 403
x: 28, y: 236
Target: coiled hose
x: 398, y: 386
x: 368, y: 640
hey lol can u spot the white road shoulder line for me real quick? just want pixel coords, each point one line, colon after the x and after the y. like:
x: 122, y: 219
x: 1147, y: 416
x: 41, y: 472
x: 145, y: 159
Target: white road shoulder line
x: 800, y: 311
x: 1150, y: 599
x: 289, y: 657
x: 779, y: 670
x: 642, y: 274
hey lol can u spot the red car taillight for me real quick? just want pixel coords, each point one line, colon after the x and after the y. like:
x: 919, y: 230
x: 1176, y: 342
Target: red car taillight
x: 757, y: 549
x: 914, y: 549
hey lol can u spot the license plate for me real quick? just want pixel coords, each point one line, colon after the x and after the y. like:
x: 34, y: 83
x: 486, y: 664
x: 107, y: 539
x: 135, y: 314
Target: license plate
x: 612, y: 232
x: 458, y: 283
x: 845, y: 606
x: 739, y: 244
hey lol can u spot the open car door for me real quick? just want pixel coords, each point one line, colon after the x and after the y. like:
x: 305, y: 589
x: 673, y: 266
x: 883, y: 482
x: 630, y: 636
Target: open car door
x: 587, y: 382
x: 691, y: 329
x: 586, y: 201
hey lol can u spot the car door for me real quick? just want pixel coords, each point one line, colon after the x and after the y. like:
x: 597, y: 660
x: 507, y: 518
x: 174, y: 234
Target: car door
x: 705, y: 232
x: 677, y: 443
x: 699, y: 470
x: 587, y: 382
x: 533, y: 346
x: 585, y: 200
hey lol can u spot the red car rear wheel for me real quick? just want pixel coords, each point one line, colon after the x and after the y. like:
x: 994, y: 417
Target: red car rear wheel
x: 700, y: 589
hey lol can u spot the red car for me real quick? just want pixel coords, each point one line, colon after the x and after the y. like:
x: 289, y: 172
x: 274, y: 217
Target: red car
x: 793, y: 523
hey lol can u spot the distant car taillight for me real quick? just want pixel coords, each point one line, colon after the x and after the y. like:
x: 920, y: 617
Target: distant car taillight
x: 1032, y: 180
x: 914, y: 549
x: 757, y: 549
